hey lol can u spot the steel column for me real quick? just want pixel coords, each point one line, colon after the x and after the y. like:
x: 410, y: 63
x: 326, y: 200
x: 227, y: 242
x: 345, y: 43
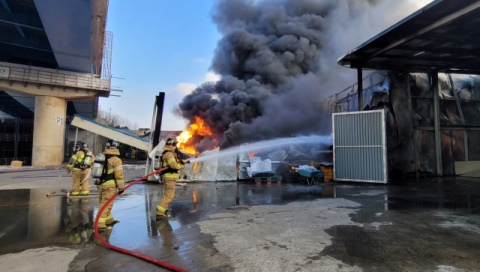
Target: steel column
x: 360, y: 88
x: 410, y: 112
x: 151, y: 147
x: 155, y: 134
x: 160, y: 101
x: 75, y: 144
x: 17, y: 136
x: 436, y: 118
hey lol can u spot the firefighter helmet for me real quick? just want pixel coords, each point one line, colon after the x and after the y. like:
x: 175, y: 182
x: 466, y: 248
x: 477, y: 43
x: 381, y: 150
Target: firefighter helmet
x: 171, y: 142
x: 80, y: 146
x: 112, y: 144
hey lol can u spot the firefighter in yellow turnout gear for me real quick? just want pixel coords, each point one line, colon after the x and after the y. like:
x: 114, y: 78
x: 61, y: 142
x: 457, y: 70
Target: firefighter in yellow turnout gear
x: 109, y: 185
x: 170, y: 176
x: 80, y: 163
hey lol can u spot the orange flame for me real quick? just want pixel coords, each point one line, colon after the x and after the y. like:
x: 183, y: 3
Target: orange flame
x: 194, y: 196
x: 195, y: 167
x: 251, y: 155
x: 197, y: 128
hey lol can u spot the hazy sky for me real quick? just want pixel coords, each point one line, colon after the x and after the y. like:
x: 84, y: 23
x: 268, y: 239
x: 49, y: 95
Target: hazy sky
x: 160, y: 46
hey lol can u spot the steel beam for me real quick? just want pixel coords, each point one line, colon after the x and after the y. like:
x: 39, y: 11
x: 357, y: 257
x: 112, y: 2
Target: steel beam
x: 20, y: 31
x: 360, y: 88
x: 22, y: 25
x: 426, y: 49
x: 445, y: 20
x: 160, y: 101
x: 28, y: 47
x: 5, y: 6
x: 436, y: 118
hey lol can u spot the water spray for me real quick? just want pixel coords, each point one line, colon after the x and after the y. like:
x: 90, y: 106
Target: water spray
x: 266, y: 145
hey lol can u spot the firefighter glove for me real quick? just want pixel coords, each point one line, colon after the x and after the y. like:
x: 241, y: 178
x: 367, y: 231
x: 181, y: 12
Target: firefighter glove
x: 120, y: 191
x: 69, y: 170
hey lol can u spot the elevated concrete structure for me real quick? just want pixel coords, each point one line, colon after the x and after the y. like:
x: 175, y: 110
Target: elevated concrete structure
x: 51, y: 54
x: 49, y: 130
x: 59, y: 83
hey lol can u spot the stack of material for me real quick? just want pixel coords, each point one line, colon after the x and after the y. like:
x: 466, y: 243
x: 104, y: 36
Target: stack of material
x: 259, y: 167
x: 227, y: 168
x: 16, y: 164
x: 223, y: 169
x: 208, y: 168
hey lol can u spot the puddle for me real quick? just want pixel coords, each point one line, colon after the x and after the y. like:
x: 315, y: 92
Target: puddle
x: 412, y: 226
x: 388, y: 214
x: 30, y: 219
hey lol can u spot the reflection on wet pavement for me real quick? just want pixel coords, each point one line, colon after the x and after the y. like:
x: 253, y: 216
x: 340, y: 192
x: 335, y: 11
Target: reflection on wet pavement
x: 29, y: 219
x: 416, y: 238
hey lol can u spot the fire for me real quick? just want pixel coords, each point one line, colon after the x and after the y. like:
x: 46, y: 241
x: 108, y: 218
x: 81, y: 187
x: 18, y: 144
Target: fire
x: 195, y: 167
x: 251, y: 155
x: 197, y: 128
x: 194, y: 196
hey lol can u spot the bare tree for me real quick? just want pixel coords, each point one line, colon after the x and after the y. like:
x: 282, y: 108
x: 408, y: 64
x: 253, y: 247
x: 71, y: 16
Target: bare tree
x: 114, y: 120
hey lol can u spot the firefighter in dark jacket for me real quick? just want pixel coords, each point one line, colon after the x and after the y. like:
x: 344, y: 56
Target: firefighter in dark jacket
x: 109, y: 185
x: 170, y: 176
x: 80, y: 163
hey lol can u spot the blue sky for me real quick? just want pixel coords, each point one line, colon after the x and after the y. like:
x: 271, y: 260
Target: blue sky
x: 158, y: 45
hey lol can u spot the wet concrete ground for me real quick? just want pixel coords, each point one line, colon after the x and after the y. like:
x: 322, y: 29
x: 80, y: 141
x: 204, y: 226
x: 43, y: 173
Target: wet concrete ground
x: 429, y: 225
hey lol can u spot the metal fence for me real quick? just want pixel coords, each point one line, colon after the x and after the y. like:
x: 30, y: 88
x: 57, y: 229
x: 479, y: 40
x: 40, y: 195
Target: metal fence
x: 359, y: 146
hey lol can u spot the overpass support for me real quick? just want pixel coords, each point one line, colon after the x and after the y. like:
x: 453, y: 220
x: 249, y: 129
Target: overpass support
x: 51, y: 88
x: 48, y: 131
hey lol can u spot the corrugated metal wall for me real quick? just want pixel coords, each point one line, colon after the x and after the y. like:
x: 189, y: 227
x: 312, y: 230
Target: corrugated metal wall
x: 360, y: 146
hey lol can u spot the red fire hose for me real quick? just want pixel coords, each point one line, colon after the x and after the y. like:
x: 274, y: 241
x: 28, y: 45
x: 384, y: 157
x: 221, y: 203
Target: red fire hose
x: 135, y: 254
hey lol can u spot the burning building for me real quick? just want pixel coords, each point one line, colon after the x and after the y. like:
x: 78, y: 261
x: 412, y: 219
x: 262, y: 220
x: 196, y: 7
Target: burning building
x: 276, y: 58
x: 430, y: 95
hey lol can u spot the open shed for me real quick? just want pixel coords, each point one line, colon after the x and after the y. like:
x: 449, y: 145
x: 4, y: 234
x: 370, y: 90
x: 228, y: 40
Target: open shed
x: 442, y: 39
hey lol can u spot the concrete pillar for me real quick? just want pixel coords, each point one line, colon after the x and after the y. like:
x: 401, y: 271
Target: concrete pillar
x: 48, y: 131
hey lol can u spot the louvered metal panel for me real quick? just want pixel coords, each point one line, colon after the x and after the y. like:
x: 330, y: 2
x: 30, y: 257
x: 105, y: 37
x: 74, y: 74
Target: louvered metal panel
x: 359, y: 147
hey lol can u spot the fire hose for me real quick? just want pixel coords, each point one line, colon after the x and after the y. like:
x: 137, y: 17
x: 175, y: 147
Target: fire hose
x: 125, y: 251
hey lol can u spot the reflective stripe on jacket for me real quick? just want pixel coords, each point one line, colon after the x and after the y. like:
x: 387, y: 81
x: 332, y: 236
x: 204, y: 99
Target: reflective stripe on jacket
x: 115, y: 169
x: 77, y: 159
x: 170, y: 160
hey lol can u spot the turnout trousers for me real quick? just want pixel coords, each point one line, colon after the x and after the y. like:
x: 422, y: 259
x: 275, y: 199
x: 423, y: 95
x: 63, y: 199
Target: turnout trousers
x: 168, y: 194
x: 80, y: 182
x: 105, y: 192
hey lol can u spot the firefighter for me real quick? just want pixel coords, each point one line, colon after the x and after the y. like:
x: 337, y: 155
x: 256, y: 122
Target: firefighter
x: 109, y: 184
x: 80, y: 163
x: 170, y: 176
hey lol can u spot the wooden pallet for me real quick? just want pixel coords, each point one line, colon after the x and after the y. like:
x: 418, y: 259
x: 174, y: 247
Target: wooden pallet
x: 268, y: 180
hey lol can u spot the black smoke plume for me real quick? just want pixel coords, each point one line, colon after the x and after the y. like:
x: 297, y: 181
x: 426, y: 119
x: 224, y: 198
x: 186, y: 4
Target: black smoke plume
x: 277, y: 58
